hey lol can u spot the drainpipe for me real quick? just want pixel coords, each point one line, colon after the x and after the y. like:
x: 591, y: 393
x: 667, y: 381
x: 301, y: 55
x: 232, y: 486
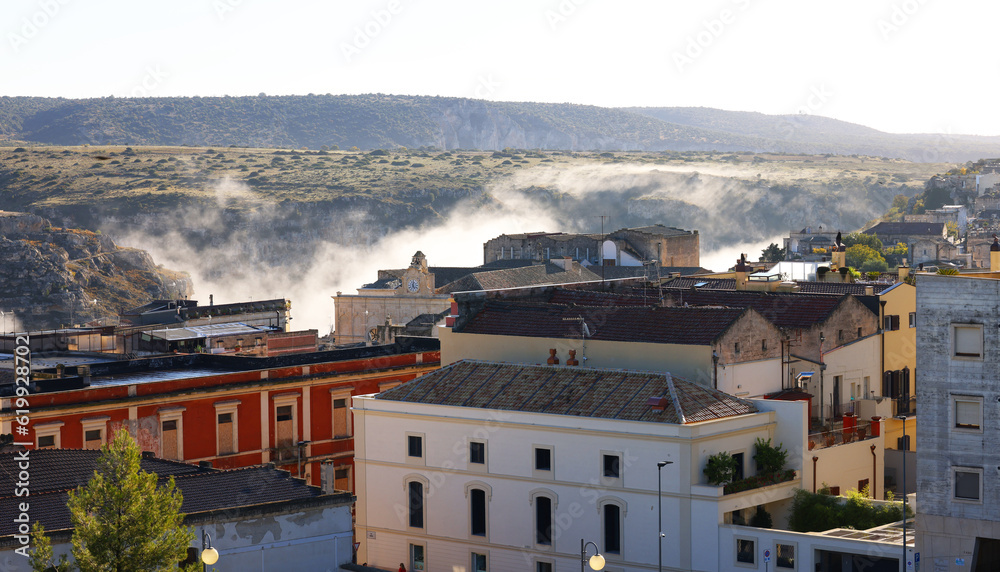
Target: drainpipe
x: 871, y: 489
x: 814, y: 473
x: 881, y: 330
x: 715, y: 370
x: 822, y: 367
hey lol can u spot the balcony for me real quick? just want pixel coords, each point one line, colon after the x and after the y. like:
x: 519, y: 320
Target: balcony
x: 840, y: 435
x: 904, y: 405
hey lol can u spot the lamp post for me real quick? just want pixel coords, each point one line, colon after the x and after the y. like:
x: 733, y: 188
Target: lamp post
x: 906, y: 446
x: 822, y: 366
x: 209, y: 555
x: 659, y: 498
x: 596, y: 561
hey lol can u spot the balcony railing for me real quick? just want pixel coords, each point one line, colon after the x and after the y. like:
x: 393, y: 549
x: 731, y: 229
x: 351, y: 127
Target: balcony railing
x: 904, y: 405
x: 841, y: 435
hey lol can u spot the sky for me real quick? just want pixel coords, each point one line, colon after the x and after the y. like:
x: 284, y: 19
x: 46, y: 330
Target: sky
x: 904, y: 66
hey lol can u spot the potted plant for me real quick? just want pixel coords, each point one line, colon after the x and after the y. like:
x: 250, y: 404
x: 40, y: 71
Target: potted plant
x: 720, y: 469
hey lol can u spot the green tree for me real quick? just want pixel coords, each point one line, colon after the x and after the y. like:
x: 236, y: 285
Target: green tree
x: 124, y: 522
x: 874, y: 265
x: 858, y: 254
x: 771, y: 458
x: 773, y: 253
x: 894, y: 256
x: 42, y: 558
x: 721, y: 468
x: 869, y: 240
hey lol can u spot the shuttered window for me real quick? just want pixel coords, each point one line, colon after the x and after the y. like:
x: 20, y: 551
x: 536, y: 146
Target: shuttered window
x: 968, y: 414
x: 168, y: 439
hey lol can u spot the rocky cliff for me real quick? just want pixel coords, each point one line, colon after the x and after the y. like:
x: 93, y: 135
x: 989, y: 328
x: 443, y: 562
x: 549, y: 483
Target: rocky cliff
x: 55, y: 276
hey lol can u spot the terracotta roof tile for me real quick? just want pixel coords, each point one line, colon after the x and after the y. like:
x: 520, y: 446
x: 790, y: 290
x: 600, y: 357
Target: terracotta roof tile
x: 565, y: 390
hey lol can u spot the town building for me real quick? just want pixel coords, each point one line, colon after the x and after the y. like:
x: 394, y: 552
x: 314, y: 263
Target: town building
x: 509, y: 466
x: 415, y: 299
x: 293, y: 410
x: 958, y: 357
x: 807, y: 241
x: 667, y: 246
x: 258, y: 518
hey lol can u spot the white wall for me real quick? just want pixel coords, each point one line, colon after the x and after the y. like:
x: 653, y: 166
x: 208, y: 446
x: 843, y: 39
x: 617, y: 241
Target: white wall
x: 805, y: 546
x: 750, y: 379
x: 382, y: 469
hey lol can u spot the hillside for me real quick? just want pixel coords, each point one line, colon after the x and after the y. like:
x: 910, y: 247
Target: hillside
x: 389, y: 121
x: 54, y: 276
x: 304, y: 224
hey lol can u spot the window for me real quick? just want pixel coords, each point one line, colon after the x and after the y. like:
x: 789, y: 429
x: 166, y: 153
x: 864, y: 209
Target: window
x: 913, y: 319
x: 172, y: 433
x: 890, y: 323
x: 840, y: 335
x: 612, y: 528
x: 543, y: 567
x: 612, y: 466
x: 543, y: 520
x: 746, y: 551
x: 763, y: 345
x: 477, y: 510
x: 738, y: 473
x: 968, y: 484
x: 862, y: 484
x: 968, y: 340
x: 736, y: 347
x: 286, y: 433
x: 341, y: 413
x: 784, y: 556
x: 477, y: 452
x: 414, y: 446
x: 859, y: 332
x: 478, y: 562
x: 342, y: 478
x: 417, y: 557
x: 415, y: 492
x: 47, y: 435
x: 226, y: 433
x: 94, y: 431
x: 543, y: 459
x: 968, y: 412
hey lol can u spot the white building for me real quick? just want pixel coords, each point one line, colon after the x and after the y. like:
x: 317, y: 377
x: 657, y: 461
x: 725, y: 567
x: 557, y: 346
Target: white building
x: 491, y: 466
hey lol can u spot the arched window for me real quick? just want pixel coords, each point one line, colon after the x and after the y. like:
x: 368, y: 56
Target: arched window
x: 612, y: 511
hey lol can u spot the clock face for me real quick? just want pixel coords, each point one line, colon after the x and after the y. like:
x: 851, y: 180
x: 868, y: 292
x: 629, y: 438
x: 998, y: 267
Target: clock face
x: 413, y: 285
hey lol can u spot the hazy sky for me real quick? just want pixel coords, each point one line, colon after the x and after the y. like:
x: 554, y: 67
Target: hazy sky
x: 900, y: 65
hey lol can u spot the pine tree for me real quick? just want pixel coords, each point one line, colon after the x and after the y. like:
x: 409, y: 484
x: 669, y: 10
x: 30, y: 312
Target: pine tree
x: 122, y: 521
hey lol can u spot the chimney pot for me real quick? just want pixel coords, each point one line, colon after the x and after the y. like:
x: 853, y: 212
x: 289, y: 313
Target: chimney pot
x: 553, y: 360
x: 657, y: 403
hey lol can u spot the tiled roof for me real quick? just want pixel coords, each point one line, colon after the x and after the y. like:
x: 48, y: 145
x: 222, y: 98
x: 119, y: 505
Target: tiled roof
x: 627, y: 322
x: 841, y: 288
x: 565, y: 390
x: 534, y: 275
x: 783, y: 310
x: 612, y: 272
x: 709, y: 283
x: 56, y: 471
x: 59, y: 469
x: 911, y: 228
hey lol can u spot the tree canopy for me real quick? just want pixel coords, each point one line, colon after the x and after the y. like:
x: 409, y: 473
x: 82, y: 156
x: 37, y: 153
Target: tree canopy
x: 869, y: 240
x: 124, y: 522
x: 773, y: 253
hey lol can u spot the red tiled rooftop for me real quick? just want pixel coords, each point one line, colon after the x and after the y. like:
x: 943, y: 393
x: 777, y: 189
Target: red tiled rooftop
x: 565, y: 390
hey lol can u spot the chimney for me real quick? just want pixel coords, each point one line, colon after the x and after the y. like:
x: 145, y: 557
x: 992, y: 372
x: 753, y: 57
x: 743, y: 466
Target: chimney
x: 904, y: 271
x: 995, y: 255
x: 838, y: 257
x: 211, y: 300
x: 869, y: 290
x: 553, y: 360
x: 572, y: 358
x: 449, y: 320
x: 742, y: 270
x: 148, y: 455
x: 204, y: 465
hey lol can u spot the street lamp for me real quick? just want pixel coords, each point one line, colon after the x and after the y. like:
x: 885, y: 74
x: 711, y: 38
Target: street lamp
x: 596, y: 561
x: 209, y: 555
x: 659, y: 497
x: 906, y: 446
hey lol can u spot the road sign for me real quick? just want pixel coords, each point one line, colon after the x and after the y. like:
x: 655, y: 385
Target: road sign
x: 767, y: 555
x: 357, y: 545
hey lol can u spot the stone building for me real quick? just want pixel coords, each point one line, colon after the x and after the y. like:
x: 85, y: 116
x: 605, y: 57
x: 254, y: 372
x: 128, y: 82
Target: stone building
x: 669, y: 247
x: 958, y: 357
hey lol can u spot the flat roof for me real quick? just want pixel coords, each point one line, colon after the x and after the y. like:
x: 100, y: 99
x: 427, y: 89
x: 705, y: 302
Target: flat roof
x: 156, y: 375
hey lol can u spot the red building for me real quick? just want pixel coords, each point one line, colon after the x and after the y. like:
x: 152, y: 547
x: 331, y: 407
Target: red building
x: 293, y: 410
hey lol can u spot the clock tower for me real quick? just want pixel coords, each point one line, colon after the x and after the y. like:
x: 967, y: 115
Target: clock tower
x: 417, y: 281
